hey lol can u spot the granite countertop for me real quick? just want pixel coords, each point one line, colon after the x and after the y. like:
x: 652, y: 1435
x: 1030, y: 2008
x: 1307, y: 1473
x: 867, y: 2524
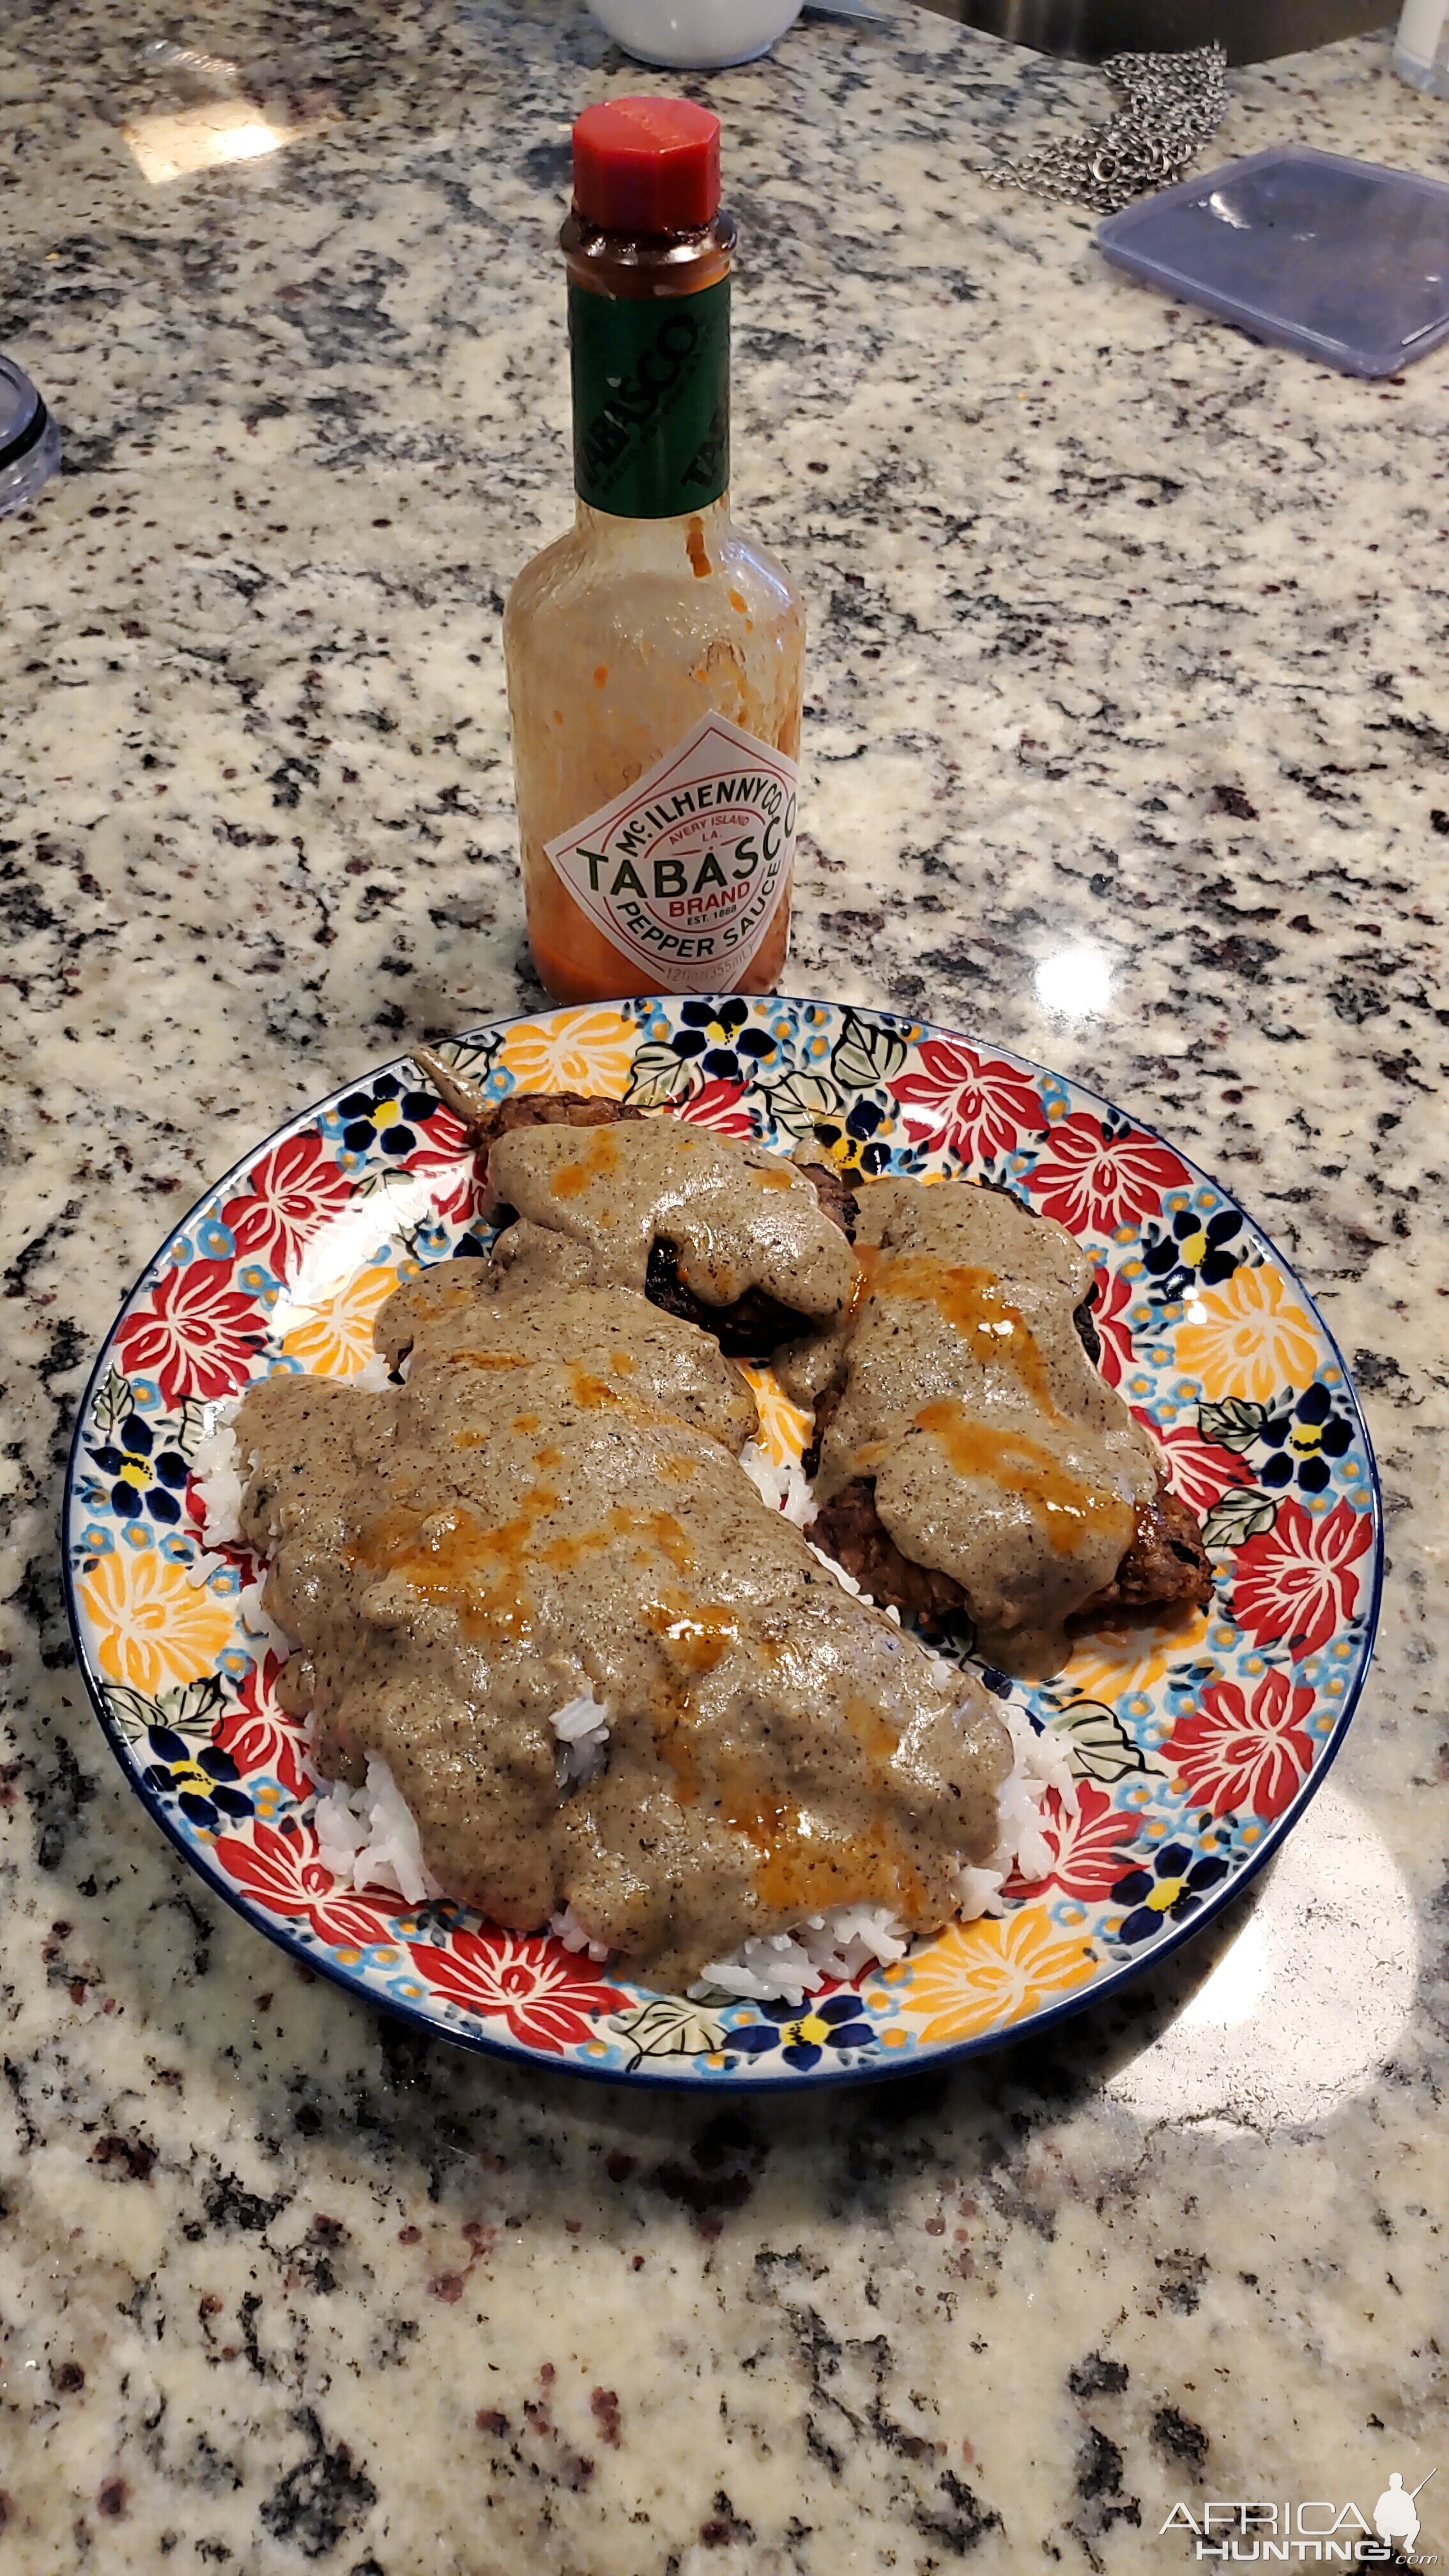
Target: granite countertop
x: 1127, y: 639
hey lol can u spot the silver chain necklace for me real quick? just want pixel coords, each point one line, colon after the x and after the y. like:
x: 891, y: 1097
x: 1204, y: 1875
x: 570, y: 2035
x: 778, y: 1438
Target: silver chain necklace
x: 1170, y: 105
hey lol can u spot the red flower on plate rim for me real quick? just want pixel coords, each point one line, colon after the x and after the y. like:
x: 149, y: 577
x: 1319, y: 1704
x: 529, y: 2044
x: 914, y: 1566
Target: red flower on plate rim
x: 1298, y: 1580
x: 724, y: 1106
x: 289, y: 1193
x: 1199, y: 1472
x: 1110, y: 1306
x: 442, y: 1138
x: 455, y: 1202
x: 978, y: 1106
x: 1088, y: 1838
x: 258, y: 1737
x: 195, y: 1333
x: 1234, y: 1752
x: 546, y: 1994
x: 282, y: 1873
x: 1095, y: 1174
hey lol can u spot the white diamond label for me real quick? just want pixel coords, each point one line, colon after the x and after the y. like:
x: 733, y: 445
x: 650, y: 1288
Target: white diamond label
x: 684, y: 871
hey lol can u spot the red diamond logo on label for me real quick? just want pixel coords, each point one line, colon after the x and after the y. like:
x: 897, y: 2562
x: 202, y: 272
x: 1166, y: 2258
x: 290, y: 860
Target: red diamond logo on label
x: 684, y: 871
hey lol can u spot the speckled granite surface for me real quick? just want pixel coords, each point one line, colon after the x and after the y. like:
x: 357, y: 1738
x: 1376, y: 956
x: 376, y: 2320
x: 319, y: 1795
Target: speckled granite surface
x: 1127, y: 636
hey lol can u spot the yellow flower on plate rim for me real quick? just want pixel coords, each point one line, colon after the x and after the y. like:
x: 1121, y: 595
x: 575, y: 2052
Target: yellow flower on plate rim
x: 1248, y: 1338
x: 985, y: 1975
x: 1113, y: 1664
x: 784, y: 1427
x: 336, y: 1338
x: 151, y: 1626
x: 580, y: 1050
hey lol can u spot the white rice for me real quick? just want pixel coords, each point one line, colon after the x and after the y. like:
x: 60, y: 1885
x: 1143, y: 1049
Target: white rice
x: 567, y: 1928
x: 258, y: 1623
x: 368, y: 1838
x: 1042, y: 1763
x: 220, y: 1484
x: 783, y: 1488
x: 219, y: 1478
x: 783, y: 1967
x: 582, y: 1729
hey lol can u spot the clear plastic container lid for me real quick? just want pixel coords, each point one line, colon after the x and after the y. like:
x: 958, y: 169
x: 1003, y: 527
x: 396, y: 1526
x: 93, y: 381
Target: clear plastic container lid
x: 1343, y: 260
x: 29, y: 439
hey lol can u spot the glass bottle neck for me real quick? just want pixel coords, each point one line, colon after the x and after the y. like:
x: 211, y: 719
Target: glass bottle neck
x: 649, y: 339
x: 693, y: 539
x: 644, y: 265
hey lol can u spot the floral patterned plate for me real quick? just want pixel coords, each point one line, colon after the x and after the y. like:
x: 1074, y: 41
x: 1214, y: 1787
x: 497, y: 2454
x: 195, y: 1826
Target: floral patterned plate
x: 1195, y: 1744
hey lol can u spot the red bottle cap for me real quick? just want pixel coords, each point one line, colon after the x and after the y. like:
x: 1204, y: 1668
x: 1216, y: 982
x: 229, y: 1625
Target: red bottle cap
x: 647, y: 165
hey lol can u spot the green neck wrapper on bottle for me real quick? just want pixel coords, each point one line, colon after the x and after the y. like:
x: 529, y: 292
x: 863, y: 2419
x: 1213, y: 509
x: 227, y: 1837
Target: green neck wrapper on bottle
x: 651, y: 381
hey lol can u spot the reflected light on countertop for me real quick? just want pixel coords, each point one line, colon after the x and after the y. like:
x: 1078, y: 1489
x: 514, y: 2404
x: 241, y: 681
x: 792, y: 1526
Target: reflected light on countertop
x: 167, y: 147
x: 1238, y: 1983
x: 1075, y: 984
x: 1309, y: 1998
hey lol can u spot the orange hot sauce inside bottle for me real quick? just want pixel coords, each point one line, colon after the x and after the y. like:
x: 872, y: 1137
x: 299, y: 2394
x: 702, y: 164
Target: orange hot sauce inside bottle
x: 654, y: 654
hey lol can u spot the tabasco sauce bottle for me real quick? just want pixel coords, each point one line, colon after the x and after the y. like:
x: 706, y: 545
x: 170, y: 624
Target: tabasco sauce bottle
x: 654, y: 653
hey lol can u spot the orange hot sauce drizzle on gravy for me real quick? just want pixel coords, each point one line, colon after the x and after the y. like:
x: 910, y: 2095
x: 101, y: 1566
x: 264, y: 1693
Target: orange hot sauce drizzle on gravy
x: 449, y: 1558
x: 803, y: 1873
x: 973, y: 1301
x: 599, y: 1160
x: 800, y: 1866
x: 1066, y: 1506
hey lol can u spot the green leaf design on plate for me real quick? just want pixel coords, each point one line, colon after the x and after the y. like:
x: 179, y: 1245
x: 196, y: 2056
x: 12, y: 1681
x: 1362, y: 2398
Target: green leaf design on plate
x: 658, y: 1075
x: 112, y: 1404
x: 1243, y: 1512
x: 397, y: 1218
x: 191, y: 1708
x: 864, y: 1055
x: 669, y: 2026
x: 1098, y: 1744
x: 190, y: 1425
x: 1234, y: 1424
x: 131, y: 1709
x: 477, y: 1062
x: 798, y: 1099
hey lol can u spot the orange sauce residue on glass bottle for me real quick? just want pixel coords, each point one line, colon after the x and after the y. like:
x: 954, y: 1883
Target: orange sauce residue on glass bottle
x: 655, y: 613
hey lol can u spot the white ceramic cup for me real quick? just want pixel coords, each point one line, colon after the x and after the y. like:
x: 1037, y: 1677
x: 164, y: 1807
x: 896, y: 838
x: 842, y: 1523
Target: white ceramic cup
x: 695, y: 35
